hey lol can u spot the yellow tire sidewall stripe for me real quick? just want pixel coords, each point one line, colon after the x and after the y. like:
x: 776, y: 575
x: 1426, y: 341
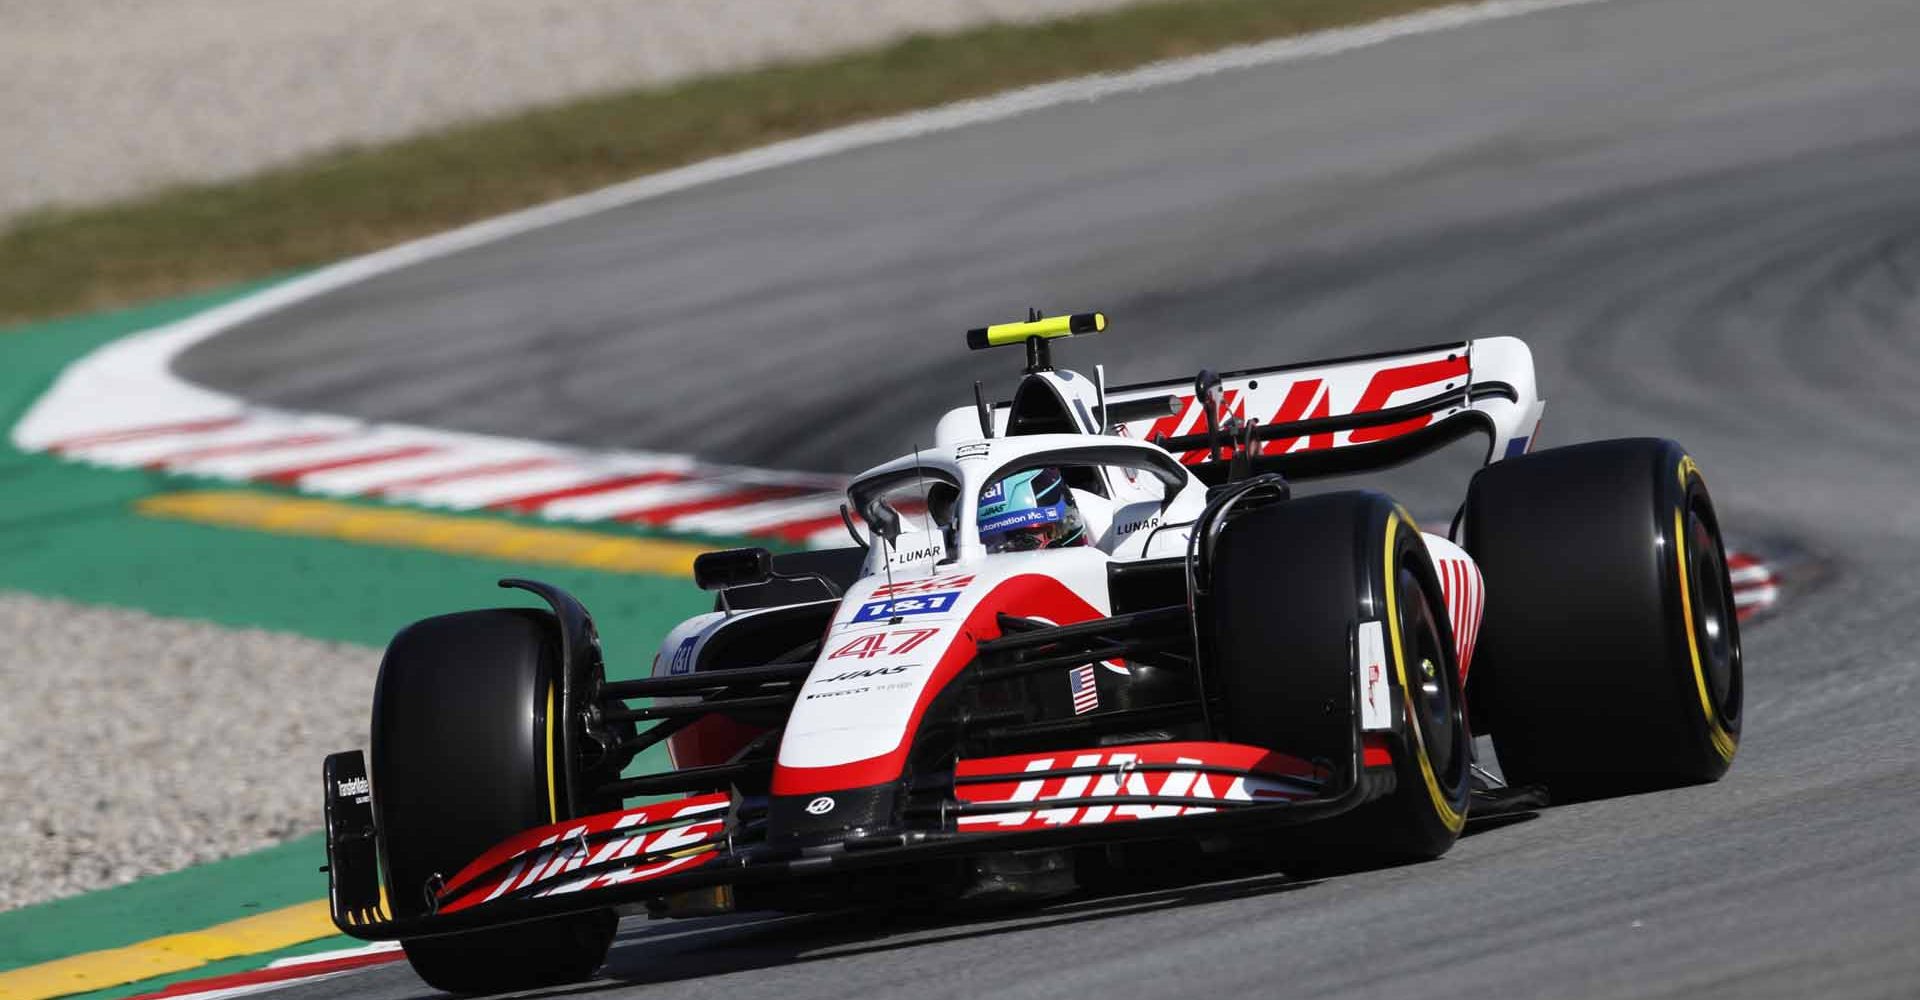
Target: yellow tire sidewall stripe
x: 1724, y: 743
x: 1452, y: 818
x: 553, y: 789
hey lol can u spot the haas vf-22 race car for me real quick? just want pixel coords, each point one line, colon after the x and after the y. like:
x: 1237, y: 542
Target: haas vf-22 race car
x: 1087, y: 624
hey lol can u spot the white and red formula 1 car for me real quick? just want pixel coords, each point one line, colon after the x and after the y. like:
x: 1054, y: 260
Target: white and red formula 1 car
x: 1085, y: 617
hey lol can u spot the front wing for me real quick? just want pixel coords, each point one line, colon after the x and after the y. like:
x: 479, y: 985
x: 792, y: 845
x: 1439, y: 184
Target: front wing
x: 1022, y: 802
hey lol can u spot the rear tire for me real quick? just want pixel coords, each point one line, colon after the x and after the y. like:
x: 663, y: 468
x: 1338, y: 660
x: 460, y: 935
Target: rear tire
x: 463, y: 758
x: 1610, y: 658
x: 1291, y: 582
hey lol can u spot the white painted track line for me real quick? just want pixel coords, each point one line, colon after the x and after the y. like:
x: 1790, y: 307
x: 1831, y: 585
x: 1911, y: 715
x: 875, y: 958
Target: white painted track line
x: 128, y: 392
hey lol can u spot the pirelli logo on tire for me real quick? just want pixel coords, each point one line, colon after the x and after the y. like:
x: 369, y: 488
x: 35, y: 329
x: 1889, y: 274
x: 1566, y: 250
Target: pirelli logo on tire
x: 1370, y: 662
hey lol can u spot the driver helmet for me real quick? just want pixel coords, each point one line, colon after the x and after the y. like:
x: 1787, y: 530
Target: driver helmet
x: 1028, y: 511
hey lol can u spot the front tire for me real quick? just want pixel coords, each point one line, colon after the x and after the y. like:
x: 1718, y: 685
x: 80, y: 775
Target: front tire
x: 464, y: 756
x: 1291, y: 583
x: 1610, y: 659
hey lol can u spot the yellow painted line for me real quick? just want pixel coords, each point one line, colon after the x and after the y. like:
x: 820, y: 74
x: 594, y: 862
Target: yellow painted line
x: 413, y: 529
x: 98, y: 970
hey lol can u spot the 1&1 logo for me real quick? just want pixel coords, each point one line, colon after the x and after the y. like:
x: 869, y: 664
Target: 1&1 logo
x: 927, y: 604
x: 682, y: 661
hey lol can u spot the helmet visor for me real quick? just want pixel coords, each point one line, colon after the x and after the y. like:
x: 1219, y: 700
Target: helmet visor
x: 1026, y: 511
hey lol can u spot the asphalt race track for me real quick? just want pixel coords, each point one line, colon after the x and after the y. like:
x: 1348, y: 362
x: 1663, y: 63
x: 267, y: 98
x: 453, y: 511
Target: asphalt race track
x: 1703, y: 214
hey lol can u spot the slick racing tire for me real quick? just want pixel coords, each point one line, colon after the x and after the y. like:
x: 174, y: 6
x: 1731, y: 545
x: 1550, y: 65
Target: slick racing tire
x: 1290, y: 584
x: 464, y: 750
x: 1609, y: 661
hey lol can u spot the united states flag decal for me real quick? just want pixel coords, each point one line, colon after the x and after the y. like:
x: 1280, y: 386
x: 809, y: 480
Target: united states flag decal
x: 1086, y: 694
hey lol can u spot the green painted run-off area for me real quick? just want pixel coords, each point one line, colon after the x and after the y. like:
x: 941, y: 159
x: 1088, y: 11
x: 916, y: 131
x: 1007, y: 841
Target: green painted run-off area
x: 69, y: 531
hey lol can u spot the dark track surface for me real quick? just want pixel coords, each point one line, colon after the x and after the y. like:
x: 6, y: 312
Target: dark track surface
x: 1703, y: 214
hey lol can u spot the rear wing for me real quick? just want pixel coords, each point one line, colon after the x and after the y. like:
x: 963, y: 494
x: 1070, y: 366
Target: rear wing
x: 1326, y: 418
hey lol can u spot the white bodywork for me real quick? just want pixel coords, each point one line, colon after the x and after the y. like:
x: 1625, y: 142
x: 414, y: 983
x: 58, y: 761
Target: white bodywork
x: 910, y: 623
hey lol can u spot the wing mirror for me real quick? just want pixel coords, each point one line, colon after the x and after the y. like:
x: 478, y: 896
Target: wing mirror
x: 1207, y: 390
x: 883, y: 520
x: 732, y: 568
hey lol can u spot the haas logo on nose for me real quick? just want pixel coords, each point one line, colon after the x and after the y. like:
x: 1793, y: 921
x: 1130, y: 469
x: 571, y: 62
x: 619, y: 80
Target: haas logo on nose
x: 854, y: 675
x: 820, y: 806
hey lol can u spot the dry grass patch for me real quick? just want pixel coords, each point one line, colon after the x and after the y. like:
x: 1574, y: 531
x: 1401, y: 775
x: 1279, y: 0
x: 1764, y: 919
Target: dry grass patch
x: 357, y: 200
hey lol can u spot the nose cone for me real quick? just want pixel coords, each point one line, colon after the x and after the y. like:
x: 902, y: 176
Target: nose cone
x: 827, y: 817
